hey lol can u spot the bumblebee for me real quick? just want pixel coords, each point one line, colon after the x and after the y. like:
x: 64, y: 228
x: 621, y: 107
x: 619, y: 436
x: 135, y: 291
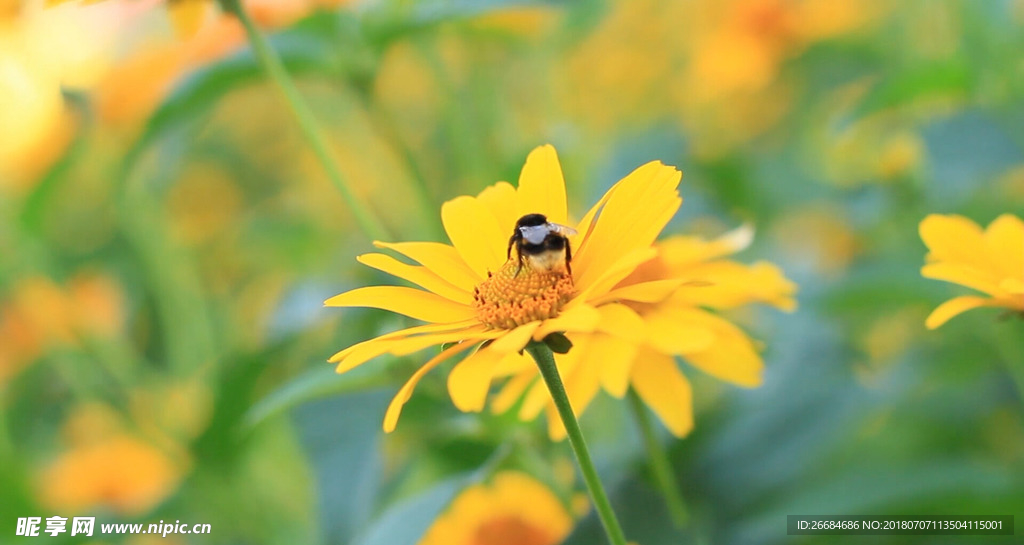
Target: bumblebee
x: 541, y: 243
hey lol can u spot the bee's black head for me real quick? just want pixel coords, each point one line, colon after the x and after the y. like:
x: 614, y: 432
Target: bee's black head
x: 531, y: 220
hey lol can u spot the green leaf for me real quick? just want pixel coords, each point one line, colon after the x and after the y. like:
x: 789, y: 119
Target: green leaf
x: 314, y: 384
x: 558, y: 343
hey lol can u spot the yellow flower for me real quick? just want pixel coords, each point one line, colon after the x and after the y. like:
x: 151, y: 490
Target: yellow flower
x: 638, y: 350
x: 480, y: 295
x: 105, y: 466
x: 513, y: 510
x: 990, y: 261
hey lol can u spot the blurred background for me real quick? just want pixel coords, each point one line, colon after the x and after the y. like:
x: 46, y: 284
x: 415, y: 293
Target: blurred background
x: 167, y: 239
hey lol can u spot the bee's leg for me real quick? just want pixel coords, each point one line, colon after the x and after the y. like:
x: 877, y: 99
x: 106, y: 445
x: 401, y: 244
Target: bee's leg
x: 568, y: 258
x: 519, y: 258
x: 508, y: 252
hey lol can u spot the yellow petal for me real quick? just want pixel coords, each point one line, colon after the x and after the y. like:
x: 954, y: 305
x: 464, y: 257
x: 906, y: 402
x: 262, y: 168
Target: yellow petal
x: 727, y: 284
x: 1005, y: 240
x: 418, y: 275
x: 963, y: 275
x: 411, y: 302
x: 731, y: 356
x: 654, y: 291
x: 581, y: 386
x: 366, y: 351
x: 621, y: 321
x: 409, y: 332
x: 542, y: 187
x: 944, y: 312
x: 680, y: 251
x: 1012, y: 286
x: 537, y: 397
x: 442, y: 259
x: 673, y: 330
x: 475, y: 233
x: 638, y: 208
x: 470, y: 380
x: 512, y: 391
x: 403, y: 395
x: 953, y: 238
x: 617, y: 270
x: 502, y: 201
x: 577, y: 319
x: 186, y: 16
x: 665, y: 390
x: 613, y: 357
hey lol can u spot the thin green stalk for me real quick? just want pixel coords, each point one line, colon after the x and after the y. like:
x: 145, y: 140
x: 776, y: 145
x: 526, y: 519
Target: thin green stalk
x: 546, y: 362
x: 661, y: 469
x: 266, y: 55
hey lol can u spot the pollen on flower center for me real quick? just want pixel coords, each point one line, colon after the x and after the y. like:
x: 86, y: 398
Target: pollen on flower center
x: 516, y: 295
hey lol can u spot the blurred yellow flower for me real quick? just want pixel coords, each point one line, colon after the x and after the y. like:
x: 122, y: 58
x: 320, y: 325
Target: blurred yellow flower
x: 625, y: 292
x: 39, y: 314
x: 990, y: 261
x: 638, y: 351
x: 105, y: 466
x: 513, y: 509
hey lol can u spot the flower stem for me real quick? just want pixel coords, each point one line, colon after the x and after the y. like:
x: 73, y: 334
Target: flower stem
x: 546, y: 362
x: 267, y: 57
x: 661, y: 469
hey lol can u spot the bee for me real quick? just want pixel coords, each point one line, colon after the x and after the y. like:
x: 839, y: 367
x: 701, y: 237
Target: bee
x: 545, y: 245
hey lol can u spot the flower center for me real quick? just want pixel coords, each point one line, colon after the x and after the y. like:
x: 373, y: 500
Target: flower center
x: 511, y: 531
x: 516, y: 295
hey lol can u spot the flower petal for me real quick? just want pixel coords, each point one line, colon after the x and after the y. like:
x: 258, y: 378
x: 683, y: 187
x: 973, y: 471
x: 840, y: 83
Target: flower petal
x: 542, y: 187
x: 614, y: 358
x: 944, y: 312
x: 403, y: 395
x: 475, y: 233
x: 617, y: 270
x: 964, y: 275
x: 442, y: 259
x: 366, y: 351
x: 409, y: 332
x: 512, y: 391
x: 470, y: 380
x: 621, y: 321
x: 727, y: 284
x: 581, y: 385
x: 731, y: 356
x: 537, y: 397
x: 654, y: 291
x: 953, y: 238
x: 638, y: 208
x: 1005, y: 240
x: 411, y: 302
x: 662, y: 386
x: 418, y: 275
x: 673, y: 330
x: 577, y: 319
x: 502, y: 201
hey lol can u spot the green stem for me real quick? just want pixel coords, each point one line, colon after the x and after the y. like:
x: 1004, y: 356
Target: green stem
x: 266, y: 55
x: 661, y: 469
x: 546, y: 362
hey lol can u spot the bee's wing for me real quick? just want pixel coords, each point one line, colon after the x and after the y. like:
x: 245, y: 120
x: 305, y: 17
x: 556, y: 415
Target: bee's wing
x: 563, y: 229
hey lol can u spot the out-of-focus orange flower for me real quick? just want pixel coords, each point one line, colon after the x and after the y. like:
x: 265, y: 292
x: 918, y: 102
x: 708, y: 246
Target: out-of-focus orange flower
x: 714, y: 66
x: 106, y: 466
x: 819, y: 236
x: 43, y: 51
x: 139, y: 82
x: 40, y: 314
x: 513, y: 509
